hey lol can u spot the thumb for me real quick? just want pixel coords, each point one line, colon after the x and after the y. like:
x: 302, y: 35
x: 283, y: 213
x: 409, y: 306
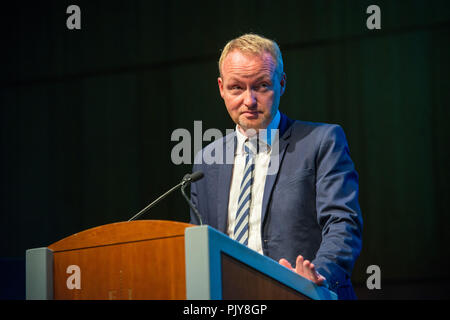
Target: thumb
x: 285, y: 263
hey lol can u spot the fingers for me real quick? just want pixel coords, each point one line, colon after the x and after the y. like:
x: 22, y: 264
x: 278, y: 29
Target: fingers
x: 286, y: 263
x: 305, y: 268
x: 315, y: 276
x: 312, y: 273
x: 321, y: 280
x: 299, y: 266
x: 308, y: 270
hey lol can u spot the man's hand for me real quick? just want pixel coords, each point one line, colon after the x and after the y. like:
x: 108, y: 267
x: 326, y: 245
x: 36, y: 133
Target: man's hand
x: 306, y: 269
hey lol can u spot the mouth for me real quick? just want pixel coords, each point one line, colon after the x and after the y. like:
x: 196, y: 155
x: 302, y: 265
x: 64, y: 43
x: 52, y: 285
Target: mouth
x: 250, y: 113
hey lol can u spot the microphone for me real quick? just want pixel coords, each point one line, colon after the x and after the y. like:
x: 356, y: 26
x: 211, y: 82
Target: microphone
x: 187, y: 179
x: 193, y: 177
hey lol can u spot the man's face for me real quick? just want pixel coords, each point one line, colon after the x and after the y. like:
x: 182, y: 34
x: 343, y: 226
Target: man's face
x: 251, y: 89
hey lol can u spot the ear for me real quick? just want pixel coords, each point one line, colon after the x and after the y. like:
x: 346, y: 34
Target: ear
x: 220, y: 83
x: 282, y: 83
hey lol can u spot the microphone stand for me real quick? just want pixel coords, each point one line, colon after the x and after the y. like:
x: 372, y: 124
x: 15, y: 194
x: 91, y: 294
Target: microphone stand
x: 187, y: 179
x: 197, y: 214
x: 137, y: 215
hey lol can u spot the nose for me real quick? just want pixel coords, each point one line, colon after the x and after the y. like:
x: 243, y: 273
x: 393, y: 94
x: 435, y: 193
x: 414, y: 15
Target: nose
x: 249, y: 98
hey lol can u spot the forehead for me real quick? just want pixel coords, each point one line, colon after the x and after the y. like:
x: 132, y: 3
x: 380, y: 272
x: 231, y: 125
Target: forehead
x: 247, y: 65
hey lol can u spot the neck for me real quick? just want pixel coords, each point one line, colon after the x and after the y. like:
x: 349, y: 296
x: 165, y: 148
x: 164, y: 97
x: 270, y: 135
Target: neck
x: 266, y: 134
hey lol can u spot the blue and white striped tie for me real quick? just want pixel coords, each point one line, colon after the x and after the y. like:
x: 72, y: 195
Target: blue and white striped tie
x: 245, y: 197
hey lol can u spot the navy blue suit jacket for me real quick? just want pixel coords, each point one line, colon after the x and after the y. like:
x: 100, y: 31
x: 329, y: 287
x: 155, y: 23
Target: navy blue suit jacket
x: 310, y: 206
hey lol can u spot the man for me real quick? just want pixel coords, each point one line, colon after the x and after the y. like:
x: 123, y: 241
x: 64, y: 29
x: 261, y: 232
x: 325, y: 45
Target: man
x: 292, y: 198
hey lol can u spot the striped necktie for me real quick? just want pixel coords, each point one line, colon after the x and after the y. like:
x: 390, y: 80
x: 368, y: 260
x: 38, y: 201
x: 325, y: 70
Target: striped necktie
x: 245, y: 195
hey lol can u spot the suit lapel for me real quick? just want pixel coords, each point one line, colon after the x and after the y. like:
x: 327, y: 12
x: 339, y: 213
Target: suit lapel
x: 226, y: 171
x: 224, y: 182
x: 276, y: 159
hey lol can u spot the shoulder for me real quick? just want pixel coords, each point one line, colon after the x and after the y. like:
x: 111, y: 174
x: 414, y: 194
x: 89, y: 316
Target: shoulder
x: 294, y: 127
x: 317, y: 131
x: 316, y: 126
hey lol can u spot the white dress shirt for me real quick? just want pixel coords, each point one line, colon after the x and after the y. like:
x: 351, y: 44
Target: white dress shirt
x: 261, y: 160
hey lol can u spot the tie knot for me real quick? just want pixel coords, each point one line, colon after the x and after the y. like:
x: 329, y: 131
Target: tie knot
x: 250, y: 146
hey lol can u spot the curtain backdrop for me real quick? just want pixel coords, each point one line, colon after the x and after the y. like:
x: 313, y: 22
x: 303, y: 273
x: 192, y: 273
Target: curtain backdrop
x: 87, y: 115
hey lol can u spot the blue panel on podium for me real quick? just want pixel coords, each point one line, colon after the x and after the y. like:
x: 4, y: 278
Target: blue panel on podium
x: 205, y: 250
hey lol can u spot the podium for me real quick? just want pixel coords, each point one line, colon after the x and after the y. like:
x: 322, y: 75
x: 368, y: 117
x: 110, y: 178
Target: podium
x: 162, y: 260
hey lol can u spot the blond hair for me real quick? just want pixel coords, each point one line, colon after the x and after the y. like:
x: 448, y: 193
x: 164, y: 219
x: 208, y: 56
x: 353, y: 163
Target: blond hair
x: 256, y: 45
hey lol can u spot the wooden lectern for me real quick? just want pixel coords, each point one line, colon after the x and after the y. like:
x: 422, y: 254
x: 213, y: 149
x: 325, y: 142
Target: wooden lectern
x: 154, y: 259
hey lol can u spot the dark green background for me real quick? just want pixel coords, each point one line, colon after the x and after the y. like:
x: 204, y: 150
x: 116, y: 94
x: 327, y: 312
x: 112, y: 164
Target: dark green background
x: 87, y: 115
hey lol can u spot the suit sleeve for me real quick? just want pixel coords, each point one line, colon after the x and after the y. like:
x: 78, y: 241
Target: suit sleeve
x: 338, y: 211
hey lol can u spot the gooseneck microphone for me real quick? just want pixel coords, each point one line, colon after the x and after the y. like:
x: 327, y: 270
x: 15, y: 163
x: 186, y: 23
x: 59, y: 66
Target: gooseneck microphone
x: 187, y: 179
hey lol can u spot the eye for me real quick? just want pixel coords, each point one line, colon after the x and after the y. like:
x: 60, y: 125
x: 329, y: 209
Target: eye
x: 263, y: 86
x: 235, y: 88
